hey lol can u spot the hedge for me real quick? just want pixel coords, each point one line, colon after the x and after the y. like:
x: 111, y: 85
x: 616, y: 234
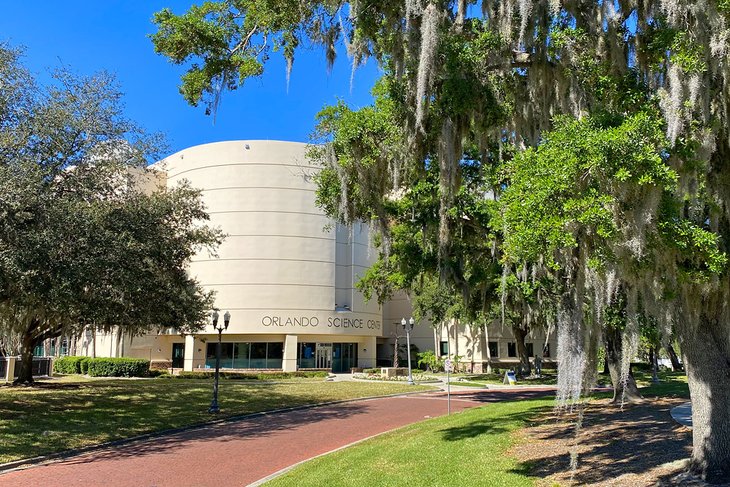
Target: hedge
x: 68, y: 365
x: 118, y: 367
x: 84, y: 365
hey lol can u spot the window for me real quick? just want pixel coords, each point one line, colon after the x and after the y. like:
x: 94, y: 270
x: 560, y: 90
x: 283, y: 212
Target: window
x: 246, y: 355
x: 493, y: 349
x: 242, y: 353
x: 226, y: 354
x: 274, y: 355
x: 444, y: 348
x: 306, y: 355
x: 511, y: 349
x: 258, y: 356
x: 546, y: 350
x: 530, y: 349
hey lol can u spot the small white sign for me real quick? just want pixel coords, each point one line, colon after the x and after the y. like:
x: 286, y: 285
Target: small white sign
x: 448, y: 365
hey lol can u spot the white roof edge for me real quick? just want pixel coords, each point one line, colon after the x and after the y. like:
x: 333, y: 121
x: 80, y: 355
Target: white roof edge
x: 237, y: 141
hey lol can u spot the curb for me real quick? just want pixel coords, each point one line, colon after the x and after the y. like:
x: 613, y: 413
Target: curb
x: 41, y: 459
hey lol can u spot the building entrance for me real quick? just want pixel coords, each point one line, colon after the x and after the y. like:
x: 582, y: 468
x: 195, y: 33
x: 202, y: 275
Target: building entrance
x: 178, y: 355
x: 344, y: 357
x: 323, y: 356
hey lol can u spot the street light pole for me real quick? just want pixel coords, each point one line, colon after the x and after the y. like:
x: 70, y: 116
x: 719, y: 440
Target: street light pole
x: 408, y: 327
x: 226, y: 320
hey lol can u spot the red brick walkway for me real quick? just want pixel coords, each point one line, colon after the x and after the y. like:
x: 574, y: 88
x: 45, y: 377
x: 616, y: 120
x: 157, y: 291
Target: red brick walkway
x: 243, y: 452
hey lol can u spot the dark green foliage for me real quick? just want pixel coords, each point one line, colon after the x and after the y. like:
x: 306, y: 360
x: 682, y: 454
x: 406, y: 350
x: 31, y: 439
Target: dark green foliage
x: 84, y: 365
x: 68, y: 365
x: 118, y: 367
x: 87, y: 233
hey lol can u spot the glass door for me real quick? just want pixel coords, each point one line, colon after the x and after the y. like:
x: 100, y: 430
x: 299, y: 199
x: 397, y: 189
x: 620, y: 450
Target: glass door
x: 178, y: 355
x: 323, y: 356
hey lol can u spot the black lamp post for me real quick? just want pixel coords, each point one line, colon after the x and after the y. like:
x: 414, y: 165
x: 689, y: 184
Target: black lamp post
x: 226, y: 319
x: 408, y: 326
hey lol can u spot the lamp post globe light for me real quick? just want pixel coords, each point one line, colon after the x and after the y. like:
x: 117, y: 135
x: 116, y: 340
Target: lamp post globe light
x: 408, y: 326
x: 226, y: 320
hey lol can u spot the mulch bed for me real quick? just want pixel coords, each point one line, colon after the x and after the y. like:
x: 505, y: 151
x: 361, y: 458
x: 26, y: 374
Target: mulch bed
x: 640, y: 445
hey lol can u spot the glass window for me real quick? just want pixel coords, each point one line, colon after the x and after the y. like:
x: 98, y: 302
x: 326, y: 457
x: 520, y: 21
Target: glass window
x: 546, y: 350
x: 226, y: 355
x: 530, y: 349
x: 493, y: 349
x: 241, y: 355
x: 306, y: 355
x: 274, y: 355
x: 511, y: 349
x: 258, y: 356
x: 444, y: 348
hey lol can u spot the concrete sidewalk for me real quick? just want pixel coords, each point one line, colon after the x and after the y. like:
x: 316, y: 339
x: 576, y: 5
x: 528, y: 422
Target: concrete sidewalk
x: 243, y: 452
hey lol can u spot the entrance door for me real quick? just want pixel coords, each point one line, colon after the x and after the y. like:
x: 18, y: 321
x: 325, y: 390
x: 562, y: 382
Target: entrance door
x: 344, y: 357
x: 323, y: 356
x: 178, y: 355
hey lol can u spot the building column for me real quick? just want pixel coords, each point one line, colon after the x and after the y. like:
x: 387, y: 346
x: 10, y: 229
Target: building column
x: 189, y: 353
x: 10, y: 369
x: 289, y: 364
x: 367, y: 353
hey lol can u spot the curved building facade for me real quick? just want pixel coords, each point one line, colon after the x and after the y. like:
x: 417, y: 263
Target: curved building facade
x: 285, y: 271
x: 287, y: 275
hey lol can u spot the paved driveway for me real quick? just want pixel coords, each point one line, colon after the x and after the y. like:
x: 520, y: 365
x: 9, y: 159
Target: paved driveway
x: 243, y: 452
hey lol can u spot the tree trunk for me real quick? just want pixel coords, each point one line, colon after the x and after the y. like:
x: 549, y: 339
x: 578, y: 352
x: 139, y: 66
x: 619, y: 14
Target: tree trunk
x: 706, y: 353
x: 489, y: 353
x: 622, y: 393
x: 676, y: 364
x: 25, y: 377
x: 654, y: 358
x: 395, y: 352
x: 520, y: 334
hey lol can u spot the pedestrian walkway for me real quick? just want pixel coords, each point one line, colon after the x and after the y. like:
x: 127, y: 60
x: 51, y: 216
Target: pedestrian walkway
x: 683, y: 414
x: 243, y: 452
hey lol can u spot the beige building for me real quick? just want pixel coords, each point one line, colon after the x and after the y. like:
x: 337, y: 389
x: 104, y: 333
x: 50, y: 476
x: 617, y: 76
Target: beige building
x: 286, y: 273
x: 475, y: 346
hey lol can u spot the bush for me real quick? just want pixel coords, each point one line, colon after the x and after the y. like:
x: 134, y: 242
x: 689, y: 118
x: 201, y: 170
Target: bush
x: 430, y: 360
x: 118, y: 367
x: 84, y: 365
x: 68, y: 365
x: 372, y: 371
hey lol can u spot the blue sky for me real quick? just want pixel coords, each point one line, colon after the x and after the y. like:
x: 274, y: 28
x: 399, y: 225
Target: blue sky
x: 112, y: 35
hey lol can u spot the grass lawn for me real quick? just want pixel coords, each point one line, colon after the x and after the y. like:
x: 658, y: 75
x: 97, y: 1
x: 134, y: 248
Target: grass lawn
x: 452, y: 450
x: 549, y: 377
x: 68, y: 413
x: 448, y: 451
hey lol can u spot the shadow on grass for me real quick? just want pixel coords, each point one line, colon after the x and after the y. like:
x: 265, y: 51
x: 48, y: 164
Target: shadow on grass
x: 486, y: 426
x: 614, y: 442
x: 43, y: 420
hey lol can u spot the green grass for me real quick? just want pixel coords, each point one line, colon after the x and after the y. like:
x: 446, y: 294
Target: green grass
x: 549, y: 377
x: 74, y: 412
x: 448, y: 450
x: 445, y: 451
x: 671, y: 384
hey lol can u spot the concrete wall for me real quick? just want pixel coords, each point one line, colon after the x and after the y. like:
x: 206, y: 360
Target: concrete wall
x: 281, y: 267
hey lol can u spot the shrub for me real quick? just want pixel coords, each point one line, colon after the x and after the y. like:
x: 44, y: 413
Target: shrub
x: 84, y: 365
x: 68, y: 365
x: 430, y: 360
x: 118, y: 367
x: 372, y: 371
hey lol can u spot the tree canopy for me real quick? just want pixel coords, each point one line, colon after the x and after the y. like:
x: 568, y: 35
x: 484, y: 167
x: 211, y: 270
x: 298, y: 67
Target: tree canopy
x: 88, y: 236
x: 605, y: 123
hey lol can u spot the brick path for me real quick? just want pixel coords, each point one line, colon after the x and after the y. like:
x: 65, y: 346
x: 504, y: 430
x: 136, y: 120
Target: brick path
x: 242, y: 452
